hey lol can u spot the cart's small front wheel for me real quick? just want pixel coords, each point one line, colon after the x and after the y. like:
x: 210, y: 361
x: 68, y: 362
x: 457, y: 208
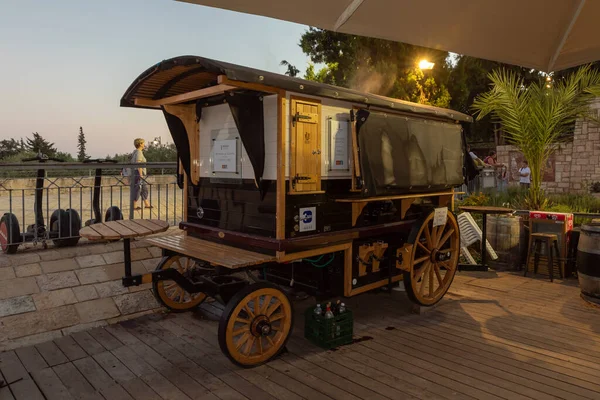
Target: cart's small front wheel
x: 434, y: 259
x: 169, y: 293
x: 255, y: 325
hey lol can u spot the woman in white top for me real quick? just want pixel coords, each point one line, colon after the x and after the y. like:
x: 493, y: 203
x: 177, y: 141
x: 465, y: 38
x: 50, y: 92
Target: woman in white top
x: 525, y: 175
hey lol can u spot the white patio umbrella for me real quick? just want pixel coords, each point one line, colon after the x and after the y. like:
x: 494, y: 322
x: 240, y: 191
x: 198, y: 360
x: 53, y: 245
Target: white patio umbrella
x: 548, y: 35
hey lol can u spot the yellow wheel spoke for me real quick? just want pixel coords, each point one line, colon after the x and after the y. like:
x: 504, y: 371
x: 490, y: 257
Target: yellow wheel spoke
x: 249, y: 345
x: 428, y: 237
x: 270, y: 341
x: 447, y: 265
x: 428, y: 282
x: 445, y: 238
x: 272, y: 308
x: 440, y: 230
x: 425, y: 275
x: 265, y: 305
x: 423, y: 247
x: 260, y: 346
x: 243, y: 340
x: 419, y: 272
x: 256, y: 305
x: 438, y: 275
x: 420, y: 260
x: 180, y: 267
x: 240, y: 331
x: 431, y: 281
x: 169, y: 291
x: 250, y: 313
x: 243, y: 344
x: 276, y: 317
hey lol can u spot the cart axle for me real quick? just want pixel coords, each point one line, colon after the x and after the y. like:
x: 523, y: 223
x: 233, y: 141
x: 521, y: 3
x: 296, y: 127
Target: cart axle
x: 223, y: 286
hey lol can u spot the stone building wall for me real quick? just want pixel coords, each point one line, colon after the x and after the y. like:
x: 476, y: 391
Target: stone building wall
x: 572, y: 168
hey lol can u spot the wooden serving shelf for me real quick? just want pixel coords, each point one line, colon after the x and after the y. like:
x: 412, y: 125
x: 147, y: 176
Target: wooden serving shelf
x: 214, y: 253
x: 359, y: 203
x: 396, y: 197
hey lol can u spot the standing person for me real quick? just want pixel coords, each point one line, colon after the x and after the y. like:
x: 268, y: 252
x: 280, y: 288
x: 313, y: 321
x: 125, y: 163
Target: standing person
x: 525, y: 175
x: 139, y: 187
x: 492, y: 159
x: 476, y: 159
x: 502, y: 179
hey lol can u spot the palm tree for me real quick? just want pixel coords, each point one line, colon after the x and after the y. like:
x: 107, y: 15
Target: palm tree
x: 291, y: 69
x: 539, y: 116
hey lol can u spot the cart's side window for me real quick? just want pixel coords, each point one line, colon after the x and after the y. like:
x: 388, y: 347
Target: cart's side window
x: 305, y: 145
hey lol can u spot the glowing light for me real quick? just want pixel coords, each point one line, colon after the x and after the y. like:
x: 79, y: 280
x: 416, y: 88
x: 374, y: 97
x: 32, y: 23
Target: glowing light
x: 424, y: 64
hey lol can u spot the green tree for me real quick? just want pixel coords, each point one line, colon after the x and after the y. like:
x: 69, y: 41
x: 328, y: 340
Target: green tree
x: 81, y: 155
x: 537, y: 117
x: 153, y: 153
x: 377, y: 66
x: 67, y: 157
x: 161, y: 153
x: 38, y: 144
x: 9, y: 148
x: 291, y: 70
x: 468, y: 78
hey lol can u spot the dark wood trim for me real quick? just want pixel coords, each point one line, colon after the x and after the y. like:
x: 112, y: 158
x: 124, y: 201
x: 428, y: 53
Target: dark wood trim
x: 294, y: 244
x: 403, y: 113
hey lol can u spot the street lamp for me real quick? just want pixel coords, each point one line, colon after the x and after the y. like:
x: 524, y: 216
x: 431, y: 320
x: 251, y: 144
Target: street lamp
x: 424, y: 64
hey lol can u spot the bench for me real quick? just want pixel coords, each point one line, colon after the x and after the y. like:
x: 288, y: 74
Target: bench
x: 213, y: 253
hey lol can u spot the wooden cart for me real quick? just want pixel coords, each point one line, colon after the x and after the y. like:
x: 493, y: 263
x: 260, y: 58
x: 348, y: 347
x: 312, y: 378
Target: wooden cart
x: 292, y: 182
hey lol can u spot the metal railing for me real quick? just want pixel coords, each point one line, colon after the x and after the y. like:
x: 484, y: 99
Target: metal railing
x: 52, y: 204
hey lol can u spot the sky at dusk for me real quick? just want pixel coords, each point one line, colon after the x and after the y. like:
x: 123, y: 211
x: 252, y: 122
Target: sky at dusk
x: 66, y: 63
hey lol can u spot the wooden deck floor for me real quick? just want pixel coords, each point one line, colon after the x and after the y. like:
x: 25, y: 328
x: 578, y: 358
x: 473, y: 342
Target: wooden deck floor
x: 496, y: 336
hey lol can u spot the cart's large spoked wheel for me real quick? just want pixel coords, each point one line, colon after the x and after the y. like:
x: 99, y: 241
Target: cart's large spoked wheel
x: 169, y: 293
x: 434, y: 259
x: 255, y: 325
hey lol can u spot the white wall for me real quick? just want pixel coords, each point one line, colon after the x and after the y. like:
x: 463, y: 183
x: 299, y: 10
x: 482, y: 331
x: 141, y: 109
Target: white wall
x: 219, y: 117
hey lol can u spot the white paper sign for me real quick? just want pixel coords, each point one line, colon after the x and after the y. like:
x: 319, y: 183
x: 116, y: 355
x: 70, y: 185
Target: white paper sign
x: 440, y: 216
x: 225, y: 156
x: 339, y: 145
x: 308, y: 219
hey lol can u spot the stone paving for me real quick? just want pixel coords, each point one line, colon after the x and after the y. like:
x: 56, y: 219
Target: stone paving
x: 49, y: 293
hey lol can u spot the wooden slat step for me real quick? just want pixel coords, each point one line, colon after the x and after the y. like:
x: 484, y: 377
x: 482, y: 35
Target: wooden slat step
x: 214, y: 253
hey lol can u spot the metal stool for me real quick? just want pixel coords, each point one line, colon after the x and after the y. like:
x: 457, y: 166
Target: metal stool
x: 551, y: 242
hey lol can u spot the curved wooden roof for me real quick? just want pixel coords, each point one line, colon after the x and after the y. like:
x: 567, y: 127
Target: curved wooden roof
x: 185, y: 74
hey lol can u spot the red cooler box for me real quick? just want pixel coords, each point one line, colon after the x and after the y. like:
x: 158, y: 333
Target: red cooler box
x: 561, y: 224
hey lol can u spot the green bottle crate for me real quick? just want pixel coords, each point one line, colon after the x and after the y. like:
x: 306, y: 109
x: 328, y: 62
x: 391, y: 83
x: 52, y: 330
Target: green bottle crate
x: 328, y: 333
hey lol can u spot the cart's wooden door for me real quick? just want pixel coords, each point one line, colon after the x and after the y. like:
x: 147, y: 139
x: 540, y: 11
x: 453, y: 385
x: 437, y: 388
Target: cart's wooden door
x: 305, y: 171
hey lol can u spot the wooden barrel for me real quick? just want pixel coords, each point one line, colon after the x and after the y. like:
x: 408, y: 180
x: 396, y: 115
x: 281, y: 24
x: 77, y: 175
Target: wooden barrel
x: 588, y: 261
x: 504, y: 233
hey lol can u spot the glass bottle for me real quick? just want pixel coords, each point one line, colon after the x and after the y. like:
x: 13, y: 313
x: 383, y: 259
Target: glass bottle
x: 318, y: 310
